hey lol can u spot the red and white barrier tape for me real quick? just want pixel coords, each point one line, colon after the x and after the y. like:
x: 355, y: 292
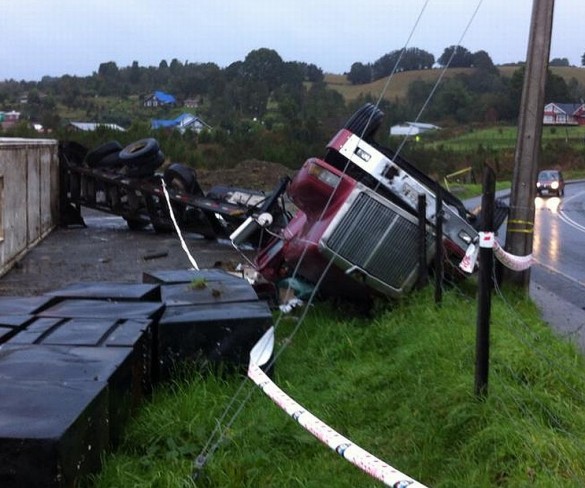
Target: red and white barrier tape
x: 343, y: 446
x: 488, y: 240
x: 515, y: 263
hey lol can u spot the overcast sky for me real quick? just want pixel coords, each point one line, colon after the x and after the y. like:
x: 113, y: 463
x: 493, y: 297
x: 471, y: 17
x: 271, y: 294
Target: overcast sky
x: 57, y: 37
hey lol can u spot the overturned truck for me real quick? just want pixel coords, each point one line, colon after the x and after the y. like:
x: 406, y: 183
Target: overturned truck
x: 133, y: 183
x: 356, y: 232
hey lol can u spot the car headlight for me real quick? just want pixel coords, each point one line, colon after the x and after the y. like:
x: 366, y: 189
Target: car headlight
x: 554, y: 185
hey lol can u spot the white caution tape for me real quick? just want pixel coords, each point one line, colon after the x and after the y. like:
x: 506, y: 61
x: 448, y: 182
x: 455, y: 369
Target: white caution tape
x: 172, y: 214
x: 487, y: 241
x: 343, y: 446
x: 515, y: 263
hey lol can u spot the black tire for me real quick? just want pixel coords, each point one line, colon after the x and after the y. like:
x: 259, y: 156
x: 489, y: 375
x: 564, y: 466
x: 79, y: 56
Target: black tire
x: 143, y: 167
x: 139, y: 150
x: 72, y: 153
x: 365, y: 121
x: 109, y: 161
x: 95, y: 156
x: 183, y: 178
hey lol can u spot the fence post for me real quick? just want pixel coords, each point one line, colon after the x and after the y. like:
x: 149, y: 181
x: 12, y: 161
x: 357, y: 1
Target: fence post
x: 439, y: 265
x: 423, y: 272
x: 484, y: 291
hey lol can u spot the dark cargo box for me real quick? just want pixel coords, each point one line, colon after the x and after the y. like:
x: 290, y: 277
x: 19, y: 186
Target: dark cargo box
x: 51, y: 434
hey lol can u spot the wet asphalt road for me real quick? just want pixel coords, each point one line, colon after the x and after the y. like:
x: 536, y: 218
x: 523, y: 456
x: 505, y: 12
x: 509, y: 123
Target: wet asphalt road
x: 106, y: 250
x: 558, y: 279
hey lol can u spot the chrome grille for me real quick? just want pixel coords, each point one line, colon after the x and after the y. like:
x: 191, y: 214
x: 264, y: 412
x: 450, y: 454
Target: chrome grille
x: 378, y: 238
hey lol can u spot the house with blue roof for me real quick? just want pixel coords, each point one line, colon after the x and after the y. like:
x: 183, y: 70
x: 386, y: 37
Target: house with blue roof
x: 160, y: 99
x: 182, y: 123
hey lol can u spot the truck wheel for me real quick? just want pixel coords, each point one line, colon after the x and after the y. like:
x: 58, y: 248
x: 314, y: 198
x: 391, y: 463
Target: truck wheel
x: 365, y: 121
x: 144, y: 148
x: 182, y: 178
x: 109, y: 161
x: 94, y: 157
x: 143, y: 167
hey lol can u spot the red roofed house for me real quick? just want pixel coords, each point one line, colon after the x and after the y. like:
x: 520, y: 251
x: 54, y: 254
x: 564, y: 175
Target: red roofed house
x: 564, y: 114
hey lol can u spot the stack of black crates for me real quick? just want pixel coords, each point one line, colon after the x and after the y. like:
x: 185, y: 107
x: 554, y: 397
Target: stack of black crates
x: 77, y: 362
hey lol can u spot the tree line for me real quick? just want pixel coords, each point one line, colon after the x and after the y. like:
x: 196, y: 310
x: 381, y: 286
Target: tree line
x: 267, y: 108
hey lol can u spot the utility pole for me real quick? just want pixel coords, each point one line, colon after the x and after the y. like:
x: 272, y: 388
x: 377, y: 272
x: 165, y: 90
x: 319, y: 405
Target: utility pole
x: 520, y: 229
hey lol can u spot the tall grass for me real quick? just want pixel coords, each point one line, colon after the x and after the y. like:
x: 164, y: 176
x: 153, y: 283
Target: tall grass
x: 400, y: 385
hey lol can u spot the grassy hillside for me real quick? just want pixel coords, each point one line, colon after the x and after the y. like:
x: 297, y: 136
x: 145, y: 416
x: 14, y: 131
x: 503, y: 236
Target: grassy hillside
x: 398, y: 86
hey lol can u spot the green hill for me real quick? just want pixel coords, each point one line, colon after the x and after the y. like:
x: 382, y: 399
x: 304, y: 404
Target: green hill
x: 398, y: 86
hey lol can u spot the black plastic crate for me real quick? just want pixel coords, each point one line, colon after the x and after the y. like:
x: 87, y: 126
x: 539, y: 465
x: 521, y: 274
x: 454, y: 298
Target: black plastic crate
x: 211, y: 333
x: 68, y: 365
x: 23, y: 305
x: 85, y: 308
x: 12, y: 324
x: 110, y: 291
x: 209, y: 291
x: 135, y: 334
x: 171, y: 277
x: 51, y: 434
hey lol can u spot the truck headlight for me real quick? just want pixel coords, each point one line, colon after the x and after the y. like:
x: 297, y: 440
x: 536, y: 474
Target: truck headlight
x: 324, y: 175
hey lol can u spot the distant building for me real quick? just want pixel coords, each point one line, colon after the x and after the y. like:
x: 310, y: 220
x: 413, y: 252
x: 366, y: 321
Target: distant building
x: 182, y: 123
x: 160, y: 99
x: 412, y: 129
x: 564, y: 114
x: 191, y: 103
x: 91, y: 126
x: 9, y: 119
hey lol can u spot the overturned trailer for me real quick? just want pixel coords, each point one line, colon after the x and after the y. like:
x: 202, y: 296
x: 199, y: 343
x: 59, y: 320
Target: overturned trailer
x: 356, y: 231
x: 131, y: 181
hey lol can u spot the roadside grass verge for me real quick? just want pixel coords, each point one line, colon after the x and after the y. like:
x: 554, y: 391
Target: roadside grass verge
x: 464, y: 191
x: 399, y: 384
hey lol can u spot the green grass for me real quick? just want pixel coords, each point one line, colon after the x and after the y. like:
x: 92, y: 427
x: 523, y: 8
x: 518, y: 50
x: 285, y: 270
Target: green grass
x: 401, y: 385
x: 397, y: 89
x: 504, y: 137
x: 464, y: 191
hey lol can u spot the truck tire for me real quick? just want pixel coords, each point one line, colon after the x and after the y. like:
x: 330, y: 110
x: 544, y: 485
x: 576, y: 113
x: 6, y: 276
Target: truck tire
x: 143, y: 167
x: 110, y: 161
x: 144, y: 148
x: 142, y: 158
x: 182, y: 178
x: 365, y: 121
x: 94, y: 157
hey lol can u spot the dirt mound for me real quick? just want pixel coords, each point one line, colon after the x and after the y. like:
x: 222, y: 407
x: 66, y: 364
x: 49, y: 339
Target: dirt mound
x: 252, y: 174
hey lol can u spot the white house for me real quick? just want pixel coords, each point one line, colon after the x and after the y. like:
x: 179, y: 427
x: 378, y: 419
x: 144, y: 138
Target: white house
x: 91, y: 126
x: 564, y: 114
x: 411, y: 129
x: 182, y: 123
